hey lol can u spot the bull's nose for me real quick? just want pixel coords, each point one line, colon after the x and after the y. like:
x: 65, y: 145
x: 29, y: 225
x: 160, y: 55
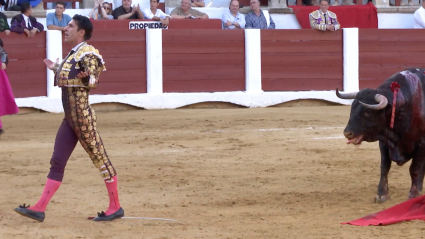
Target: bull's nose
x: 348, y: 134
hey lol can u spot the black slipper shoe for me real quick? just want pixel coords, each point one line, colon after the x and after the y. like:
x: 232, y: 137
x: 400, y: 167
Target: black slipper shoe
x: 24, y: 211
x: 102, y: 217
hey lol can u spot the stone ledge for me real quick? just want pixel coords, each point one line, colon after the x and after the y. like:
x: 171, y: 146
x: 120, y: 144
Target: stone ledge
x: 35, y: 13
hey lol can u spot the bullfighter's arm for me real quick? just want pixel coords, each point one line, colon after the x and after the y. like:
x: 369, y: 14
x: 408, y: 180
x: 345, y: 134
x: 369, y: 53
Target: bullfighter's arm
x: 336, y: 23
x: 316, y: 26
x: 94, y: 65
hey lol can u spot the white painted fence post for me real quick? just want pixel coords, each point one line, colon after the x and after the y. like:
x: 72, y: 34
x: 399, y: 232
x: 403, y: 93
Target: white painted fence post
x: 253, y: 61
x: 351, y: 59
x: 53, y: 52
x: 154, y: 61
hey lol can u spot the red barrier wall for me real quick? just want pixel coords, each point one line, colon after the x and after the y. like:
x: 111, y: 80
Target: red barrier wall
x: 203, y: 60
x: 384, y: 52
x: 124, y: 53
x: 174, y: 24
x: 298, y: 60
x: 26, y: 70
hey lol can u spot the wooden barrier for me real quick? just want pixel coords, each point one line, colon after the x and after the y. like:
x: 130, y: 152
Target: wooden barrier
x: 174, y: 24
x: 124, y: 53
x: 26, y: 71
x: 384, y: 52
x: 296, y: 60
x: 203, y: 60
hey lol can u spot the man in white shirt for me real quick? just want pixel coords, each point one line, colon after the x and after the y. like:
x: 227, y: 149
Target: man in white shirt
x: 419, y: 16
x: 233, y: 19
x: 156, y: 14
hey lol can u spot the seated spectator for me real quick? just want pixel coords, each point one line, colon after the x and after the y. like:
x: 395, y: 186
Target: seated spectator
x: 185, y: 11
x: 58, y: 20
x: 25, y: 22
x: 156, y: 14
x: 198, y: 3
x: 257, y: 18
x: 233, y: 19
x: 323, y: 19
x: 4, y: 25
x: 105, y: 11
x: 125, y: 11
x: 419, y: 17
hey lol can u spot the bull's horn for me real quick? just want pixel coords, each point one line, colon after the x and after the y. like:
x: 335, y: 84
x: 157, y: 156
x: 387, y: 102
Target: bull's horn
x: 382, y: 103
x: 347, y: 96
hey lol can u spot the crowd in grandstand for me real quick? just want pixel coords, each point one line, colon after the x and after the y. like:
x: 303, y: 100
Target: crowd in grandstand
x: 321, y: 19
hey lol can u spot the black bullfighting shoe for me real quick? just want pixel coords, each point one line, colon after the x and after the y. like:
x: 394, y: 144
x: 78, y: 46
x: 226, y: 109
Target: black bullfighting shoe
x: 102, y: 217
x: 24, y: 211
x: 1, y: 131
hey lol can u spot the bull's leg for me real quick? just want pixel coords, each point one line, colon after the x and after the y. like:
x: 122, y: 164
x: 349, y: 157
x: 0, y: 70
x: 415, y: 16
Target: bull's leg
x: 385, y: 168
x: 417, y: 174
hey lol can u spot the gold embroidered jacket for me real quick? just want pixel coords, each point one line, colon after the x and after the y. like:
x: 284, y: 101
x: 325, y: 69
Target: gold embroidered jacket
x: 85, y: 58
x: 317, y: 20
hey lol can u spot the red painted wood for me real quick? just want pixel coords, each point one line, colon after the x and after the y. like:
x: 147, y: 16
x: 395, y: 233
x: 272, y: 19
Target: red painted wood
x: 302, y: 72
x: 174, y: 24
x: 22, y: 91
x: 199, y: 60
x: 301, y: 46
x: 299, y: 84
x: 209, y: 85
x: 301, y: 60
x: 300, y: 35
x: 26, y: 70
x: 384, y: 52
x: 195, y: 59
x: 202, y: 35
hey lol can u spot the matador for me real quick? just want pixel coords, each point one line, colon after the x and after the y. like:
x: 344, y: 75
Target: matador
x: 77, y: 74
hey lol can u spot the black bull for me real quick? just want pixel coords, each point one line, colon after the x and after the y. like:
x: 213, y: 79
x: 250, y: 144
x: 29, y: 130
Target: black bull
x: 370, y: 120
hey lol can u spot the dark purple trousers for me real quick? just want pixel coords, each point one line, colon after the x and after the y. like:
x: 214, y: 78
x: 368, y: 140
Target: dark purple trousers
x: 64, y: 145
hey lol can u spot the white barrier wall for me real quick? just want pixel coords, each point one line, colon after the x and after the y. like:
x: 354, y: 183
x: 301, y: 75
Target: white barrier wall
x: 253, y: 96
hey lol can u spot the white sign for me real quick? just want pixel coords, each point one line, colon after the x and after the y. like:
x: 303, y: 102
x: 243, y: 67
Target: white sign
x: 146, y: 25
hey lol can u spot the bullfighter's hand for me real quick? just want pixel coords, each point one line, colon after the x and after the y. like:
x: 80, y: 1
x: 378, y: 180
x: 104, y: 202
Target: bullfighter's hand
x: 3, y: 66
x: 7, y: 32
x: 83, y: 74
x: 50, y: 64
x: 33, y: 31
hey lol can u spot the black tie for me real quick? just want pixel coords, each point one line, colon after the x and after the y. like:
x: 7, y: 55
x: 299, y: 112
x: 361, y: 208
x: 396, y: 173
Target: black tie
x: 326, y: 19
x: 29, y: 26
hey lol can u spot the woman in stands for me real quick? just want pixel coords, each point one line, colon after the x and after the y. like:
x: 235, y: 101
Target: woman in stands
x: 7, y: 100
x: 105, y: 11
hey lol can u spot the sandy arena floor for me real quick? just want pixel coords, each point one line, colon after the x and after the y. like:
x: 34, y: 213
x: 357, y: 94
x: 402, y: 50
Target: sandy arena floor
x: 219, y: 173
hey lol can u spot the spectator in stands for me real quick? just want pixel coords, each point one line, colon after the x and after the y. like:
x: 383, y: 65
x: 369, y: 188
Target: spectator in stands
x: 419, y: 17
x: 323, y: 19
x: 16, y: 5
x: 233, y: 19
x: 4, y: 25
x: 185, y: 11
x: 58, y: 20
x: 125, y: 11
x: 257, y: 18
x: 156, y: 14
x: 198, y: 3
x: 25, y: 22
x: 105, y: 10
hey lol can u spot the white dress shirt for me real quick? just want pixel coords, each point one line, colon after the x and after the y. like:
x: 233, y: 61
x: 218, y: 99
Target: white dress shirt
x: 27, y: 21
x: 228, y: 16
x: 419, y: 16
x: 159, y: 13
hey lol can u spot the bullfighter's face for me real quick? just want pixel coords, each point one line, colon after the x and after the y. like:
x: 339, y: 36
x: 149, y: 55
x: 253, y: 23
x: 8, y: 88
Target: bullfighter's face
x: 72, y: 34
x: 324, y: 6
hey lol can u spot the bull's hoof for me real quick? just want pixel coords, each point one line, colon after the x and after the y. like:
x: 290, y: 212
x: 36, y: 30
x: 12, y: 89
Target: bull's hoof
x: 381, y: 199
